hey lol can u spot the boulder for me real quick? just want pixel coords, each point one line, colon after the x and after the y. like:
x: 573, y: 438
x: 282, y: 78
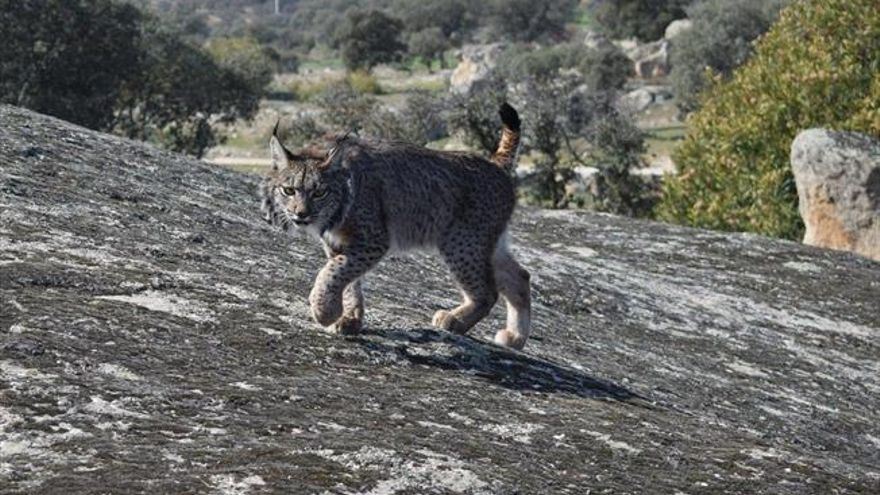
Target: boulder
x: 676, y: 27
x: 838, y: 182
x: 477, y: 62
x: 155, y: 338
x: 597, y: 41
x: 650, y: 60
x: 640, y: 99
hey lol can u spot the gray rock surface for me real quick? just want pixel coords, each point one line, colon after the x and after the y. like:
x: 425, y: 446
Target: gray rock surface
x: 154, y: 338
x: 838, y: 182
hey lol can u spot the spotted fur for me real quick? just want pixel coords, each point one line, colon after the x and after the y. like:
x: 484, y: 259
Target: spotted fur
x: 363, y: 199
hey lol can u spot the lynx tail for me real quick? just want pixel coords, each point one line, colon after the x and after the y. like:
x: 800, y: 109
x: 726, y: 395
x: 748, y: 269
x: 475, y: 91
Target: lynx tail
x: 505, y: 155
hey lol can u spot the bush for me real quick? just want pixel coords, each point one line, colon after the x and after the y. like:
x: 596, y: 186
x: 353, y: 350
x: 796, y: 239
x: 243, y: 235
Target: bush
x: 429, y: 44
x: 528, y: 20
x: 244, y: 57
x: 419, y: 121
x: 368, y: 38
x: 818, y: 66
x: 601, y: 69
x: 68, y: 59
x: 617, y: 145
x: 475, y: 116
x: 105, y: 65
x: 720, y: 40
x: 363, y: 82
x: 605, y: 68
x: 642, y: 19
x: 177, y: 92
x: 344, y: 108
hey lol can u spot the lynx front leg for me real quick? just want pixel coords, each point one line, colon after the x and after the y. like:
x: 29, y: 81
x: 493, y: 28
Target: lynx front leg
x: 352, y: 319
x: 341, y: 270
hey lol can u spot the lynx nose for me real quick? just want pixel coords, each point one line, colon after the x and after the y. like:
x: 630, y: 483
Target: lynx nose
x: 300, y: 219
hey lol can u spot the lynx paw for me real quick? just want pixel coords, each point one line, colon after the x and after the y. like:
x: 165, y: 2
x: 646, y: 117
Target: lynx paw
x: 445, y: 321
x: 509, y: 339
x: 347, y: 326
x: 326, y: 312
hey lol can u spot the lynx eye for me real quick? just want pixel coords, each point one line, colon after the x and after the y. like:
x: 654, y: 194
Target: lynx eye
x: 288, y: 191
x: 320, y: 193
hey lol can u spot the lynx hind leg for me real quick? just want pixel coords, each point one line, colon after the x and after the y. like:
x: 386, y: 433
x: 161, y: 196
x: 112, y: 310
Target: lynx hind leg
x: 352, y: 319
x: 472, y: 270
x: 513, y: 283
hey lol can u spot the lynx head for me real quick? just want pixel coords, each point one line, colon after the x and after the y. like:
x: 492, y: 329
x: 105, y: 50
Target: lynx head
x: 308, y: 189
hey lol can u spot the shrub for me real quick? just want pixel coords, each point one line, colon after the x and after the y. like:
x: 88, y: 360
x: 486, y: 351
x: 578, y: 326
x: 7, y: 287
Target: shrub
x: 363, y: 82
x: 177, y: 92
x: 345, y: 109
x: 559, y: 119
x: 368, y: 38
x: 720, y: 40
x: 605, y: 68
x: 244, y: 57
x: 617, y: 145
x: 429, y: 44
x: 601, y: 69
x: 528, y: 20
x: 301, y: 131
x: 105, y: 65
x: 419, y: 121
x: 475, y: 116
x: 818, y: 66
x: 67, y: 59
x: 642, y: 19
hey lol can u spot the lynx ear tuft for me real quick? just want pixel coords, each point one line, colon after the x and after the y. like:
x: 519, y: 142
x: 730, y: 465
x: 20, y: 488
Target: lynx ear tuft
x: 334, y: 156
x: 280, y: 155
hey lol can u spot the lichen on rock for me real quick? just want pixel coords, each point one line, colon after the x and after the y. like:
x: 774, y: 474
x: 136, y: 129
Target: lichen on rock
x: 154, y: 337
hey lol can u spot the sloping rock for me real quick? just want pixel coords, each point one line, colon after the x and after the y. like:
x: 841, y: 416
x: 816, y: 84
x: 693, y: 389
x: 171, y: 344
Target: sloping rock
x: 154, y: 337
x: 477, y: 62
x: 838, y: 182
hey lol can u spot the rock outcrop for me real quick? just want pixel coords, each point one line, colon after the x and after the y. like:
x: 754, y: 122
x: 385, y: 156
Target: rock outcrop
x: 650, y: 60
x: 838, y: 182
x: 475, y: 67
x: 640, y: 99
x: 676, y: 28
x: 154, y: 338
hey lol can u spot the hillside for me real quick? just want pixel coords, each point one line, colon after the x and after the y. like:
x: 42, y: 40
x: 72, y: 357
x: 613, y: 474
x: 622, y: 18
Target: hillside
x: 154, y: 337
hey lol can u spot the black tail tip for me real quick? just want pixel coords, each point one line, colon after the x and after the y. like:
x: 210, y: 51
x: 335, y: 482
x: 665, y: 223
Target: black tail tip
x: 509, y: 116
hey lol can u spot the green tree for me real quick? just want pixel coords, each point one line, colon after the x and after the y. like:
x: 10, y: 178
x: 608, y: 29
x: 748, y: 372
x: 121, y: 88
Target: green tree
x: 528, y: 20
x: 430, y: 44
x: 642, y: 19
x: 67, y: 59
x: 177, y: 91
x: 244, y: 57
x: 818, y: 66
x: 368, y: 38
x: 601, y: 69
x: 720, y: 40
x: 454, y: 18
